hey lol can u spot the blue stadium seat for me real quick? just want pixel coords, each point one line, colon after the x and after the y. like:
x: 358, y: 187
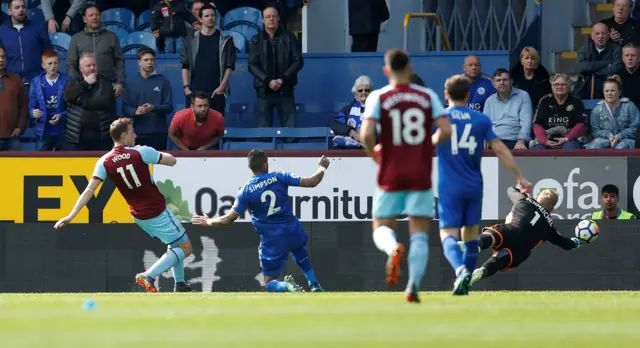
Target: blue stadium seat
x: 35, y: 15
x: 120, y: 17
x: 240, y: 115
x: 247, y: 30
x: 121, y: 33
x: 238, y: 40
x: 5, y: 8
x: 231, y: 134
x: 314, y: 138
x: 28, y: 140
x: 143, y: 21
x: 589, y: 104
x: 137, y: 40
x: 313, y: 119
x: 248, y: 15
x: 60, y: 42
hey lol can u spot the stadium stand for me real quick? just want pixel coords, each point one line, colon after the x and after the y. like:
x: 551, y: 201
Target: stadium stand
x: 131, y: 42
x: 60, y: 42
x: 322, y: 92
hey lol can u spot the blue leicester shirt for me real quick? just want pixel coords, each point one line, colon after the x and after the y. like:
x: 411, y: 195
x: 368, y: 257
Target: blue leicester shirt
x: 459, y: 169
x: 267, y: 198
x: 479, y: 91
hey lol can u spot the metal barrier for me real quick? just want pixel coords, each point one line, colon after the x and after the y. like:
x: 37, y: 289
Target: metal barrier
x: 439, y: 39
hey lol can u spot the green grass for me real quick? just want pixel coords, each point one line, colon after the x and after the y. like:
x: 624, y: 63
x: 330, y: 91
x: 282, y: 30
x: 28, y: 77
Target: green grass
x: 484, y: 319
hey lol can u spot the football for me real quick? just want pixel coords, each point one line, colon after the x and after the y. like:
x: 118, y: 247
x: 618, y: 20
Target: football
x: 587, y: 230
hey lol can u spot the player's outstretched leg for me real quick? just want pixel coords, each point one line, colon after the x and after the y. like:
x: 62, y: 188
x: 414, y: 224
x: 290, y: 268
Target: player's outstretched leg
x: 286, y: 285
x: 417, y: 259
x: 385, y: 239
x: 456, y: 258
x: 496, y: 263
x: 178, y: 276
x: 301, y: 257
x: 167, y: 261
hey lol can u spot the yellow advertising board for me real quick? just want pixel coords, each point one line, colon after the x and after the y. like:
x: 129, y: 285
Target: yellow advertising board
x: 46, y: 189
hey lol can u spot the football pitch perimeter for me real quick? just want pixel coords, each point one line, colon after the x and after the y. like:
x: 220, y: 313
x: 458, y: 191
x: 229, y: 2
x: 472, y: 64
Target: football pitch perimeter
x: 483, y: 319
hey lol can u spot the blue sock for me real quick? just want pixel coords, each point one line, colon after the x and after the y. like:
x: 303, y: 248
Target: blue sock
x: 301, y: 257
x: 178, y: 271
x: 418, y: 257
x: 168, y: 260
x: 471, y: 254
x: 276, y: 285
x: 453, y: 253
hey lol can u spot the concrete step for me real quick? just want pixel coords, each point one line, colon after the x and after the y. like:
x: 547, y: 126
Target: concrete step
x: 566, y: 62
x: 598, y: 12
x: 580, y: 37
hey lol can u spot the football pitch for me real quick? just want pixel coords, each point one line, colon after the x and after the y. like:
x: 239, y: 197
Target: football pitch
x: 483, y: 319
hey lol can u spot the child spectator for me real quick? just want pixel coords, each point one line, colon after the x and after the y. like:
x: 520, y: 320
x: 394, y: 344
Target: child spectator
x: 47, y: 108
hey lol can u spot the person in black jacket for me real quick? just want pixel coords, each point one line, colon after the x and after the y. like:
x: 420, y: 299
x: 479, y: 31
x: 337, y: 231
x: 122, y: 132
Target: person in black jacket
x: 274, y: 61
x: 365, y: 18
x: 90, y: 100
x: 531, y: 76
x: 168, y: 19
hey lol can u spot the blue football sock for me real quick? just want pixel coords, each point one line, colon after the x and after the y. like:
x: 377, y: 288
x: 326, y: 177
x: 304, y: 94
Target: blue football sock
x: 168, y: 260
x: 276, y: 285
x: 418, y: 257
x: 178, y: 271
x: 301, y: 257
x: 471, y: 254
x: 453, y: 253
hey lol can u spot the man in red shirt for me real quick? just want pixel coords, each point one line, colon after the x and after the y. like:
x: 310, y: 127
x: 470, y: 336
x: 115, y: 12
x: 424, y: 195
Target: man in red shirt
x: 198, y: 127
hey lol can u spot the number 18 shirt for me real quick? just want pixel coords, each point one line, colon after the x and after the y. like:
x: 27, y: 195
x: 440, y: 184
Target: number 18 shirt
x: 405, y: 114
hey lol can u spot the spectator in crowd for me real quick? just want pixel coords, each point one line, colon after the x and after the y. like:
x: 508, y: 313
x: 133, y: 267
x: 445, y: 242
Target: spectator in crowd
x: 63, y: 15
x: 274, y: 61
x: 614, y: 120
x: 623, y: 29
x: 148, y: 101
x: 90, y: 98
x: 561, y: 119
x: 365, y: 18
x: 596, y: 61
x: 610, y: 200
x: 46, y: 104
x: 208, y: 58
x: 169, y: 20
x: 104, y: 44
x: 481, y: 85
x: 510, y: 112
x: 347, y: 123
x: 195, y: 7
x: 531, y: 76
x: 629, y: 74
x: 198, y: 127
x: 13, y: 107
x: 24, y: 42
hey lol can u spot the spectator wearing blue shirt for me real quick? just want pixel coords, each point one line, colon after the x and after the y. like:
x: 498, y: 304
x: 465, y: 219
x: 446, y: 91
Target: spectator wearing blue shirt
x: 47, y: 108
x: 481, y: 85
x: 148, y: 101
x: 347, y: 123
x: 24, y: 41
x: 510, y: 112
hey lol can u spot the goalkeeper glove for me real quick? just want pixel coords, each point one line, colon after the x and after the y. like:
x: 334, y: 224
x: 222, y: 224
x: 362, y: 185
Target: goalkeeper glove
x: 577, y: 241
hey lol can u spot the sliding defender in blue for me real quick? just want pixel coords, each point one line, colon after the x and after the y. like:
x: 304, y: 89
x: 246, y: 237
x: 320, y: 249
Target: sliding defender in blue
x: 266, y: 195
